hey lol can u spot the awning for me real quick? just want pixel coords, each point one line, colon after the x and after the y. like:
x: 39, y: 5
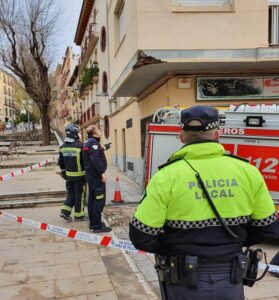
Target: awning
x: 154, y: 67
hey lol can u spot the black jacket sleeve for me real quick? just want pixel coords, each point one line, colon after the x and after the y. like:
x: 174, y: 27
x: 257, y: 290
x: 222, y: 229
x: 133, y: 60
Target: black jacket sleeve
x: 61, y: 163
x: 143, y: 241
x: 97, y: 157
x: 259, y: 234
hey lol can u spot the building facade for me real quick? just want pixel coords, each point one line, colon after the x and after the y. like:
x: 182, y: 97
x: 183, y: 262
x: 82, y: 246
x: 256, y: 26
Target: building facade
x: 55, y: 107
x: 65, y: 94
x: 93, y: 72
x: 7, y: 97
x: 171, y: 52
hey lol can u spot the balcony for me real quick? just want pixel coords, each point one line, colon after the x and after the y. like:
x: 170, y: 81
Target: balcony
x: 63, y: 96
x: 87, y: 79
x: 150, y: 69
x: 64, y: 113
x: 88, y: 47
x: 90, y: 116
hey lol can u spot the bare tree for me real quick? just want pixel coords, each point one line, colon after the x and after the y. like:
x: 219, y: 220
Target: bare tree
x: 26, y: 32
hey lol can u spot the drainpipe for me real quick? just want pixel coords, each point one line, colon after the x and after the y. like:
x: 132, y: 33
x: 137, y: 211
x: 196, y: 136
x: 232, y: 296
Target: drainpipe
x: 108, y: 46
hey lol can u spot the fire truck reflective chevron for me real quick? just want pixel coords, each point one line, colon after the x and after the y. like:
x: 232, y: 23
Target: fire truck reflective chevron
x: 239, y: 136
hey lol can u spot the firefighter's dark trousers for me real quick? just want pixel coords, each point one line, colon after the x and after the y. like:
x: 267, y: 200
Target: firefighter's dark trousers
x: 211, y: 286
x: 96, y: 201
x: 75, y: 198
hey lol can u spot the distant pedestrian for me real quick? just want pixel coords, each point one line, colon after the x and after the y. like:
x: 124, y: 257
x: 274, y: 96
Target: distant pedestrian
x: 72, y: 169
x: 95, y: 173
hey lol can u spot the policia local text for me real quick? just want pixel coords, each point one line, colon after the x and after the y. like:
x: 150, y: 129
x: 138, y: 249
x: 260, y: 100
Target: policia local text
x: 223, y: 188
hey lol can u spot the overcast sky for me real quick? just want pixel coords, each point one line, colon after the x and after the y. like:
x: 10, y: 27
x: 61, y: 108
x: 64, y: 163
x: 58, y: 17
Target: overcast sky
x: 70, y: 10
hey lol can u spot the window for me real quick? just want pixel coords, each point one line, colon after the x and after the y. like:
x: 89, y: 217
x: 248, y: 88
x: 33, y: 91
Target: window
x: 105, y: 82
x: 121, y: 18
x: 273, y: 30
x: 106, y: 125
x: 120, y: 24
x: 103, y: 39
x: 202, y: 2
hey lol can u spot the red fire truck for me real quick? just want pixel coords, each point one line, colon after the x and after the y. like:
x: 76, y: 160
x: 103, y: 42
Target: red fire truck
x: 249, y: 131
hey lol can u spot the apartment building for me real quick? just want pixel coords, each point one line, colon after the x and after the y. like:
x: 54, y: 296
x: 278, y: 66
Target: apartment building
x: 55, y: 107
x: 185, y: 52
x: 65, y: 94
x: 93, y: 72
x: 7, y: 96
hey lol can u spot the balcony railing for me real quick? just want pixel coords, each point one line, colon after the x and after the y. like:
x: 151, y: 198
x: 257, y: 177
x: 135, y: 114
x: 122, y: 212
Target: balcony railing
x: 90, y: 43
x: 90, y: 113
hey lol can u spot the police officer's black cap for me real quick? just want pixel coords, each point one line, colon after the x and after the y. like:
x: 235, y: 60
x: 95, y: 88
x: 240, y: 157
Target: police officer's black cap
x: 208, y: 116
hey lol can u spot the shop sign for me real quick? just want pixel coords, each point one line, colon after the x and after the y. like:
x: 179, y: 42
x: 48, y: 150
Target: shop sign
x: 271, y: 87
x: 225, y: 88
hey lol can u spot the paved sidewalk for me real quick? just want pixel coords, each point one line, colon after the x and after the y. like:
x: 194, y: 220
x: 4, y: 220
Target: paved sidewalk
x: 38, y: 265
x: 45, y: 178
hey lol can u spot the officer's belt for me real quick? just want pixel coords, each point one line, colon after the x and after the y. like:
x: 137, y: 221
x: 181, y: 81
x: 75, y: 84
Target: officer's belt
x: 178, y: 270
x: 215, y: 267
x: 206, y: 266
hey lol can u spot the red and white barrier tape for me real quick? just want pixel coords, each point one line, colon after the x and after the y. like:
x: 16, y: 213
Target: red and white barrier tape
x: 27, y: 169
x: 96, y: 239
x: 74, y: 234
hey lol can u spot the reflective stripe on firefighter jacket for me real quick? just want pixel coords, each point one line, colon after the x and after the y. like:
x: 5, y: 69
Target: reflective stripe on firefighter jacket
x: 174, y: 217
x: 71, y: 160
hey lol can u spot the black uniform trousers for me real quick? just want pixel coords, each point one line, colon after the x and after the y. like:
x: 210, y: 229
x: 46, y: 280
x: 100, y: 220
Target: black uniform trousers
x: 211, y: 286
x: 96, y: 200
x: 75, y: 198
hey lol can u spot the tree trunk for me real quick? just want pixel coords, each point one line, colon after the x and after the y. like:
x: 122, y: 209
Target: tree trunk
x: 45, y: 126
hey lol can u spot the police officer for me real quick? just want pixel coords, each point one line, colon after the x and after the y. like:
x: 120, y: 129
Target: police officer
x: 95, y: 168
x: 176, y: 222
x: 72, y: 169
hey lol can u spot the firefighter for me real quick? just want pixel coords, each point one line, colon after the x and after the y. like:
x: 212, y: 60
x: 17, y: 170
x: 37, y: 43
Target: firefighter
x: 72, y: 169
x: 95, y: 168
x: 196, y: 258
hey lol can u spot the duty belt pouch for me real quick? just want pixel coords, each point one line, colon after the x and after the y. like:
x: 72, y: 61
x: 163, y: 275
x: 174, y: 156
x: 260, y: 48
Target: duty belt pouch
x: 173, y: 263
x: 163, y: 269
x: 191, y: 271
x: 239, y: 268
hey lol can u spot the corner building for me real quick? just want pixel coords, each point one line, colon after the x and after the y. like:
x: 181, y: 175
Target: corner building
x: 171, y: 52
